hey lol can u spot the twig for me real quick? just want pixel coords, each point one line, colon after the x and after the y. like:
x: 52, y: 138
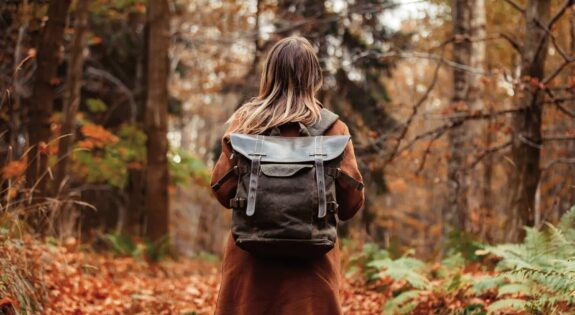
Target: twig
x: 518, y: 47
x: 558, y: 138
x: 560, y: 13
x: 426, y: 153
x: 420, y: 55
x: 559, y: 104
x: 108, y: 76
x: 516, y: 6
x: 488, y: 152
x: 559, y: 161
x: 416, y: 107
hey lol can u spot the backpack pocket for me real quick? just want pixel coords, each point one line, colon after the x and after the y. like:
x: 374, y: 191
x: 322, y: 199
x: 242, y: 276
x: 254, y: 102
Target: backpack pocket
x: 286, y: 201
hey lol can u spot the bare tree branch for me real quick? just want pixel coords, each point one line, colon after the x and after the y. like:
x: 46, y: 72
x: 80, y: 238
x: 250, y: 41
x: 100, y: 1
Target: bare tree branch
x: 488, y: 152
x: 560, y: 13
x: 518, y: 47
x: 416, y: 107
x: 426, y: 153
x: 516, y: 6
x: 559, y: 161
x: 558, y: 138
x: 559, y: 104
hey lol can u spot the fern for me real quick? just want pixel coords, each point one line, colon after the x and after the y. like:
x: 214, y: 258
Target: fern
x: 501, y: 306
x: 404, y: 303
x: 485, y: 283
x: 361, y: 261
x: 514, y: 289
x: 541, y: 269
x: 405, y: 268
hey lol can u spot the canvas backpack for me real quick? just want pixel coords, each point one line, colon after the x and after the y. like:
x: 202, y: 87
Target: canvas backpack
x: 285, y: 203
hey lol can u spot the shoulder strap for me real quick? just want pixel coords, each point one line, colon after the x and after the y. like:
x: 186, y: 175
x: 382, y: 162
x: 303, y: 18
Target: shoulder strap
x: 328, y: 118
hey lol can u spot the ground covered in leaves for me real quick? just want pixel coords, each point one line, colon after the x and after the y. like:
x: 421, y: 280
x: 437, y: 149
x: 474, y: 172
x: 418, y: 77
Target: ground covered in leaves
x: 60, y: 278
x: 69, y: 279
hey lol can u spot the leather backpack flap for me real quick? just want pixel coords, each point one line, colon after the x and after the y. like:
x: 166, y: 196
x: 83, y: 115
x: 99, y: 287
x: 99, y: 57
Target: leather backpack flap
x: 288, y: 149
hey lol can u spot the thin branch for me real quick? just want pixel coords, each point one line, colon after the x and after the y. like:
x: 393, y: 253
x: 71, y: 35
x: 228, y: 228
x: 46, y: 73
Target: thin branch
x: 516, y: 6
x: 488, y: 152
x: 416, y: 107
x: 294, y: 25
x: 454, y: 122
x: 559, y: 161
x: 433, y: 57
x: 558, y: 70
x: 479, y: 115
x: 548, y: 32
x: 437, y: 132
x: 558, y: 138
x: 426, y: 153
x: 518, y: 47
x: 560, y: 99
x: 553, y: 39
x: 560, y: 13
x: 559, y: 104
x: 111, y: 78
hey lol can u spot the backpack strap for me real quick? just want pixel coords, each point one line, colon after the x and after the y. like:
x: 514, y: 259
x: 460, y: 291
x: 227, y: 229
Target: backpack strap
x: 254, y: 175
x: 327, y: 119
x: 320, y: 175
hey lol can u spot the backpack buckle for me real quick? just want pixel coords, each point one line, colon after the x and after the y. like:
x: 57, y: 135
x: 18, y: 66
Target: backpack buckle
x: 238, y: 203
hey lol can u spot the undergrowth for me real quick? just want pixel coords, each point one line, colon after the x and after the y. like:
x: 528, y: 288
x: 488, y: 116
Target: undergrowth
x: 534, y: 277
x: 21, y: 291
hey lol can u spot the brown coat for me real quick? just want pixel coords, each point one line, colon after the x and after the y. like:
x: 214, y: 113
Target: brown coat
x: 254, y: 286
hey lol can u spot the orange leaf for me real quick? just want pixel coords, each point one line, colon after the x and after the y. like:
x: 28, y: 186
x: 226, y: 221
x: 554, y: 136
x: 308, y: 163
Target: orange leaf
x: 13, y: 169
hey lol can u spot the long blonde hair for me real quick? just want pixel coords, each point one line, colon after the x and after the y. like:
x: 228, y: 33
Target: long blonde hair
x: 290, y: 78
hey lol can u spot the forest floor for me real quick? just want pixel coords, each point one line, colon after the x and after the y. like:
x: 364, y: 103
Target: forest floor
x: 71, y: 279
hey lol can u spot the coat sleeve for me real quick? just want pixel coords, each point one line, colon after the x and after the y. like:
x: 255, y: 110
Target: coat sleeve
x: 227, y: 190
x: 349, y: 197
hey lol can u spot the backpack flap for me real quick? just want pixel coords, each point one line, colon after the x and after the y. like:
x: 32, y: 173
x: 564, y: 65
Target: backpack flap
x: 288, y: 149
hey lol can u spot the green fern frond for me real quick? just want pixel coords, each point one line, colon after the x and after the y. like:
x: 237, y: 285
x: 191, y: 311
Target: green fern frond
x: 506, y: 305
x: 404, y: 303
x: 568, y: 220
x: 514, y: 289
x: 405, y: 268
x: 484, y: 283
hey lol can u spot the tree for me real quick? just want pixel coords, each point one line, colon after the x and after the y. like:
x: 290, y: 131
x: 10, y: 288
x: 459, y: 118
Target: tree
x: 156, y: 119
x: 41, y: 102
x: 74, y: 84
x: 527, y: 140
x: 456, y: 212
x: 480, y: 189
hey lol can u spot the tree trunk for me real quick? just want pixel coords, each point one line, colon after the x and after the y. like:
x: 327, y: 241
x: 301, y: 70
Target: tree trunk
x: 455, y: 216
x: 74, y: 85
x: 136, y: 187
x: 570, y: 182
x: 525, y: 151
x: 479, y: 179
x: 156, y: 119
x: 43, y: 92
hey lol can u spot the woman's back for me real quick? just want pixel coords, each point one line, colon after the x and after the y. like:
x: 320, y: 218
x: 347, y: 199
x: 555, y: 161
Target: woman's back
x: 256, y: 285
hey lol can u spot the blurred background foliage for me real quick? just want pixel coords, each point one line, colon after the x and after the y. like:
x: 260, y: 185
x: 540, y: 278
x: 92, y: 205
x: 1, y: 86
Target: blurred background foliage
x: 389, y: 71
x: 461, y: 112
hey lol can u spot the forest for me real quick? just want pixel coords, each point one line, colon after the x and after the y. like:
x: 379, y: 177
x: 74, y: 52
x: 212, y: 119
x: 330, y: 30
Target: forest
x: 462, y: 114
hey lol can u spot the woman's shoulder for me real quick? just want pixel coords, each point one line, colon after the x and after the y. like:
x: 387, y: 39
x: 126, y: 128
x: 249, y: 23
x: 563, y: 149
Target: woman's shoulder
x: 338, y: 128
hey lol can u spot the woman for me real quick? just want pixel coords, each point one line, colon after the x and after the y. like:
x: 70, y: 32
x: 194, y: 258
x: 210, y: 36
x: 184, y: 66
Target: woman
x: 251, y: 285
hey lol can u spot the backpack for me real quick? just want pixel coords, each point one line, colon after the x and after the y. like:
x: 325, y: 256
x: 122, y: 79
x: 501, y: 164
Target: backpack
x: 285, y: 204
